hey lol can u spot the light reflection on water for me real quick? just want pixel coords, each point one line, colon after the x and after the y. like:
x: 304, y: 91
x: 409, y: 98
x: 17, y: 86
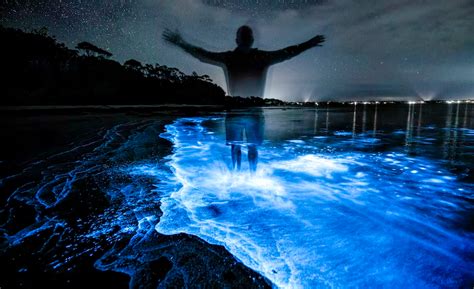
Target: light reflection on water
x: 343, y: 208
x: 366, y: 196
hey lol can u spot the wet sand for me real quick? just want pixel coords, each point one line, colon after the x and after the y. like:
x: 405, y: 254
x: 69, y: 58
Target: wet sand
x: 61, y: 228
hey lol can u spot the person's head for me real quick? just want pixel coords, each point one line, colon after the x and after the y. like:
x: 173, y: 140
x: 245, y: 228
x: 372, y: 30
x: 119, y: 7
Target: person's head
x: 244, y: 38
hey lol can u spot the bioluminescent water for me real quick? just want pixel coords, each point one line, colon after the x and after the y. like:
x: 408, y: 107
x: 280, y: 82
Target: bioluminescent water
x: 358, y: 197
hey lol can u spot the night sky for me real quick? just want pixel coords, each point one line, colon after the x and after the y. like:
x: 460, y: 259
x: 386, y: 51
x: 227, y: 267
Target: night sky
x: 387, y: 49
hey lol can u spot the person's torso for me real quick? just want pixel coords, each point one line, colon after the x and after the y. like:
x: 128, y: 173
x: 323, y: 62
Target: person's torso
x: 246, y: 72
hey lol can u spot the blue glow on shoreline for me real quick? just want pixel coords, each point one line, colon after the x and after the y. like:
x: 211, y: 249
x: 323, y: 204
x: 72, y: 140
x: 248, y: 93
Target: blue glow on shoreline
x: 340, y: 210
x: 310, y: 218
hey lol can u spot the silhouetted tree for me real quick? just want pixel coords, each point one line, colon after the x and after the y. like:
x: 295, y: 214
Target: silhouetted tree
x: 133, y: 64
x: 43, y: 31
x: 37, y: 70
x: 90, y: 49
x: 206, y: 78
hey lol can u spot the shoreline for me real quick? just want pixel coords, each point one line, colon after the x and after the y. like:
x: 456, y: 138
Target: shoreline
x: 89, y: 203
x: 165, y: 106
x: 132, y: 109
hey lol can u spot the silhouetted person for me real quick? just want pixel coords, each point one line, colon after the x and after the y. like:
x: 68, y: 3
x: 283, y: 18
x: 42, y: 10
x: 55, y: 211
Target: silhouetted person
x: 246, y: 71
x: 245, y: 67
x: 244, y: 127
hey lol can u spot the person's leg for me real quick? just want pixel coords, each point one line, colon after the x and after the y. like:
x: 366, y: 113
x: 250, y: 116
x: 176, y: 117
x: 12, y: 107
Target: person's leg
x: 254, y: 125
x: 253, y: 157
x: 236, y: 156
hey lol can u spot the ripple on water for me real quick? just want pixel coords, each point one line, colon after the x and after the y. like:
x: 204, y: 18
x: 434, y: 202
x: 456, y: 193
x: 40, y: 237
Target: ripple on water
x: 317, y: 218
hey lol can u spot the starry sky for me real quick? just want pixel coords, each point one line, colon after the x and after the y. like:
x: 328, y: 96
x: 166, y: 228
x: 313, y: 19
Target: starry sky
x: 406, y: 49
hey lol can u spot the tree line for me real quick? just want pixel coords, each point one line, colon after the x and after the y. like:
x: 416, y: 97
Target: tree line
x: 39, y: 70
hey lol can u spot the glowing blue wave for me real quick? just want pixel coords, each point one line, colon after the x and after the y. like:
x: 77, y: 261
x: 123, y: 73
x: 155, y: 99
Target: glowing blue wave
x: 312, y: 217
x: 89, y: 197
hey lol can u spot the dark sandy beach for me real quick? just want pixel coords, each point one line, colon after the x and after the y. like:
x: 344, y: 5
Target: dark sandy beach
x: 79, y: 226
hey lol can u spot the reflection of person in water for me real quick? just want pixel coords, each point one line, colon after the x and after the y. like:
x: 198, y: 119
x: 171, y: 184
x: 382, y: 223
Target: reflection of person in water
x: 250, y: 123
x: 246, y: 71
x: 245, y: 67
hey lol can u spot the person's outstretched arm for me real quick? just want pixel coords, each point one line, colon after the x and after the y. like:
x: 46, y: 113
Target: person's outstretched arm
x: 216, y: 58
x: 291, y: 51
